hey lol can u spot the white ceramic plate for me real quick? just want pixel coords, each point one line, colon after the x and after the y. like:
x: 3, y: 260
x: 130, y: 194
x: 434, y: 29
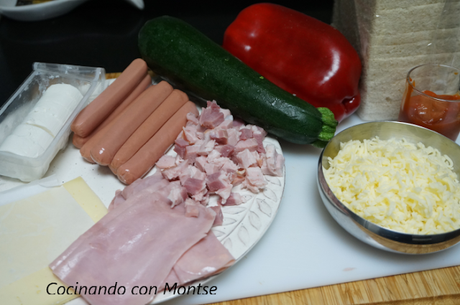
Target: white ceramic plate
x: 243, y: 225
x: 47, y: 10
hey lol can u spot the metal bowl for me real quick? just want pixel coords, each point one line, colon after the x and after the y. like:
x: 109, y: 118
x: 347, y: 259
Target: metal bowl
x: 366, y: 231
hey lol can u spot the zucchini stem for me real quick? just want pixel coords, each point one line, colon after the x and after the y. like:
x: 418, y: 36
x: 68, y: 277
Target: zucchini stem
x: 328, y: 128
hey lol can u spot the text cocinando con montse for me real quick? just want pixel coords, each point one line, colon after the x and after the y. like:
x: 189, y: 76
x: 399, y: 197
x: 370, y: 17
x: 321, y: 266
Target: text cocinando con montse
x: 56, y: 289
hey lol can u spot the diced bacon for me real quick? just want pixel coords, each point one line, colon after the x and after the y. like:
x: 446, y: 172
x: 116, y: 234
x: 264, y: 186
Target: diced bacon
x: 192, y: 118
x: 237, y: 123
x: 211, y: 116
x: 180, y: 147
x: 273, y: 162
x: 174, y: 172
x: 191, y: 208
x: 205, y: 199
x: 227, y: 114
x: 233, y: 136
x: 225, y: 150
x: 166, y: 161
x: 226, y: 124
x: 191, y: 152
x: 206, y: 147
x: 238, y: 180
x: 245, y: 133
x: 191, y: 172
x: 229, y: 168
x: 259, y: 135
x: 234, y: 199
x: 201, y: 163
x: 258, y: 130
x: 180, y: 135
x: 194, y: 186
x: 219, y: 220
x: 177, y: 194
x: 217, y: 181
x: 219, y: 135
x: 190, y: 134
x: 201, y: 196
x: 213, y: 155
x: 246, y: 158
x: 260, y: 160
x: 254, y: 179
x: 250, y: 144
x: 225, y: 192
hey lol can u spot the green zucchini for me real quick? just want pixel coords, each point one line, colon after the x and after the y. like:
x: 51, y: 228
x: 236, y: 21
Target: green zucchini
x: 183, y: 55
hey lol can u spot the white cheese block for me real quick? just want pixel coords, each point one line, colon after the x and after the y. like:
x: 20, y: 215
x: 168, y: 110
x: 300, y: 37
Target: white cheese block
x: 27, y: 140
x: 54, y: 108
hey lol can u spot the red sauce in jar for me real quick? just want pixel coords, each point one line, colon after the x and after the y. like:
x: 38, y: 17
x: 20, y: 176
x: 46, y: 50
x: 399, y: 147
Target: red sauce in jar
x: 440, y: 116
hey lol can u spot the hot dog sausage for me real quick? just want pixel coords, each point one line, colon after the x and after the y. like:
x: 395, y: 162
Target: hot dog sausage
x: 150, y: 126
x: 85, y: 150
x: 125, y: 125
x: 147, y: 81
x: 97, y: 111
x: 146, y: 157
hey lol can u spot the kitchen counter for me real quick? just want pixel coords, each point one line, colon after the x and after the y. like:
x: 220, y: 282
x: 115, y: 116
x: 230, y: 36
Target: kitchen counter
x: 104, y: 33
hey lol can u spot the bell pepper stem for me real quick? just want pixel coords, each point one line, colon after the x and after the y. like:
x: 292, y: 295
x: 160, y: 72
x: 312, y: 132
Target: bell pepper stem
x: 328, y: 129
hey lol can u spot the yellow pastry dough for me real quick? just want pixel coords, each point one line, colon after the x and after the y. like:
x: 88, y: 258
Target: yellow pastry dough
x: 34, y: 231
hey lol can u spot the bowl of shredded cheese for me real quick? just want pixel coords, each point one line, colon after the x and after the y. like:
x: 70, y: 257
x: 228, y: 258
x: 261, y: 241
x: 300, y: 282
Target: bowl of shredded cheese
x: 394, y: 186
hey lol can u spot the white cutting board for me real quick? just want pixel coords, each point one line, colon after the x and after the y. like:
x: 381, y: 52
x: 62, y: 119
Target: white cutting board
x: 303, y: 248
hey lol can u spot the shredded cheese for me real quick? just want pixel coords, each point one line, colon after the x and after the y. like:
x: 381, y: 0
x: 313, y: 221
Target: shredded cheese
x: 396, y: 184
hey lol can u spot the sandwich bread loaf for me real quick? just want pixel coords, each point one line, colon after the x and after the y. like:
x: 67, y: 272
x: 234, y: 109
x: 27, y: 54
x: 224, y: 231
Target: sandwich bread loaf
x: 391, y: 37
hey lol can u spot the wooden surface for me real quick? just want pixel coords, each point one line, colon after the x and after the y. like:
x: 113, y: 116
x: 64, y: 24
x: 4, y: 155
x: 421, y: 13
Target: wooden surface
x: 433, y: 287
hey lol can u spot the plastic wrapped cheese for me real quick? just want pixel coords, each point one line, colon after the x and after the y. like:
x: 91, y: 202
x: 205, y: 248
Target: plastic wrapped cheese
x: 33, y: 136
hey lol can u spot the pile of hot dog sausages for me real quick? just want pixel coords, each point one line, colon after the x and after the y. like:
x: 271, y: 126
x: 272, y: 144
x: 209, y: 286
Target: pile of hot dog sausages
x: 131, y: 124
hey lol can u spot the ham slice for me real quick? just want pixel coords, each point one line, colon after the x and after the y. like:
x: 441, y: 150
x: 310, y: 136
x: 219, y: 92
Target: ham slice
x: 208, y: 257
x: 130, y: 246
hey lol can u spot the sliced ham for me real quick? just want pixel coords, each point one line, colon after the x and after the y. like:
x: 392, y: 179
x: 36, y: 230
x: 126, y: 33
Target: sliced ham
x: 219, y: 220
x: 208, y: 257
x: 130, y: 246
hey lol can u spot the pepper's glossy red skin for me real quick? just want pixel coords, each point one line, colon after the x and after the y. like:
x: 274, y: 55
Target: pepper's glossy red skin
x: 300, y: 54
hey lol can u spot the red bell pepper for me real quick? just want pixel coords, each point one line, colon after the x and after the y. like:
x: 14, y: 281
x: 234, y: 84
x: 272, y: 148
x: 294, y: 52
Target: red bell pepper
x: 300, y: 54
